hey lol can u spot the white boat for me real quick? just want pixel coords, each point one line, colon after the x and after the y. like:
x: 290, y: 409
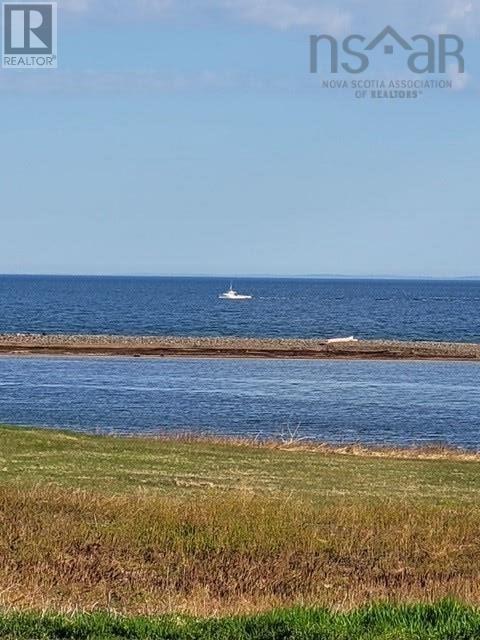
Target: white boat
x: 231, y: 294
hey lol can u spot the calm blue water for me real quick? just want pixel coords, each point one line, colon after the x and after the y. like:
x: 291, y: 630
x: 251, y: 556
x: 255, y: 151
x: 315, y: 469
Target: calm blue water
x: 431, y: 310
x: 370, y: 402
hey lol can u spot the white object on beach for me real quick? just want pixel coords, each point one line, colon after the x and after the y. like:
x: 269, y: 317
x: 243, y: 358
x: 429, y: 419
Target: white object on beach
x: 231, y: 294
x: 349, y: 339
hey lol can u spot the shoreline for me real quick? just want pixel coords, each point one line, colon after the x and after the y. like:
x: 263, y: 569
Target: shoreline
x: 190, y: 439
x: 231, y: 347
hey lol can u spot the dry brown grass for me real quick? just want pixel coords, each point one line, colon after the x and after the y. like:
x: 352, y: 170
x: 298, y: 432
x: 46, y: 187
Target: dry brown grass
x: 290, y: 442
x: 70, y: 549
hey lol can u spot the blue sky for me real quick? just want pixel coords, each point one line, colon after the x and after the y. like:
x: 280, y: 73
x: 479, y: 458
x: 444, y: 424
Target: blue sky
x: 189, y: 138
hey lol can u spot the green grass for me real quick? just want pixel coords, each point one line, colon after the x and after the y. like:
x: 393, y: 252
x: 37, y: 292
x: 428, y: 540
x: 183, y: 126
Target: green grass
x: 30, y: 456
x: 443, y: 621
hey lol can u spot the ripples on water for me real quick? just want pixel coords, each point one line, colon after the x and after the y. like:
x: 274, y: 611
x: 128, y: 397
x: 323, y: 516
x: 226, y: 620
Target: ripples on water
x: 372, y: 402
x: 428, y: 310
x: 399, y: 403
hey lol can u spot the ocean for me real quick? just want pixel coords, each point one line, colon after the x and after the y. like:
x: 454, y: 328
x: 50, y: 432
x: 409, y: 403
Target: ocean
x: 398, y: 403
x: 391, y: 309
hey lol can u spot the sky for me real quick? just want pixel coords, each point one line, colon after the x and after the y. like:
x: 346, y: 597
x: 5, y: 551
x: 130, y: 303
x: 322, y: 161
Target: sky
x: 188, y: 137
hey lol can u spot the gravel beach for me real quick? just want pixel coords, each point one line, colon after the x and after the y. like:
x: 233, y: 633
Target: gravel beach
x: 164, y: 346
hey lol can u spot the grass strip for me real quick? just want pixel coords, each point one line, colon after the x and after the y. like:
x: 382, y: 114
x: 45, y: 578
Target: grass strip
x: 446, y: 620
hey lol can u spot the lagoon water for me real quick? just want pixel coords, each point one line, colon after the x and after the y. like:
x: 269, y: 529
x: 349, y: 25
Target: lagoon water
x: 398, y: 309
x: 400, y: 403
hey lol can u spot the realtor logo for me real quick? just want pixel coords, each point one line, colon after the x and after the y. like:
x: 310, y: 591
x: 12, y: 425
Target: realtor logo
x: 29, y: 35
x: 425, y: 54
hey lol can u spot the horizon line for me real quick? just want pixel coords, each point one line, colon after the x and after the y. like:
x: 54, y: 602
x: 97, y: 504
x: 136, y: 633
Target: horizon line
x: 314, y: 276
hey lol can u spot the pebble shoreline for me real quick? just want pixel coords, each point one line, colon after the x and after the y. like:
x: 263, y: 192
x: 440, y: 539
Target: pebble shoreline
x: 170, y: 346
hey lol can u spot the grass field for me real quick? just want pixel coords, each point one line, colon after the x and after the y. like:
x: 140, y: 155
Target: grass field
x: 183, y: 468
x: 153, y: 527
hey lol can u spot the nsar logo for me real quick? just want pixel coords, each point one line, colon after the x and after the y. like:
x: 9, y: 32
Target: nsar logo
x: 425, y: 54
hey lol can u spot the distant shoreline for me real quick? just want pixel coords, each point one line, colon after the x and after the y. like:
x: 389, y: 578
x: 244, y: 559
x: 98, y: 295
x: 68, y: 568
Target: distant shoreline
x: 219, y: 347
x: 252, y: 276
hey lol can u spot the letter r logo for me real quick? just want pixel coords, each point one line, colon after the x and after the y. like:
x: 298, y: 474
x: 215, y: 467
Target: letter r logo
x: 28, y: 28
